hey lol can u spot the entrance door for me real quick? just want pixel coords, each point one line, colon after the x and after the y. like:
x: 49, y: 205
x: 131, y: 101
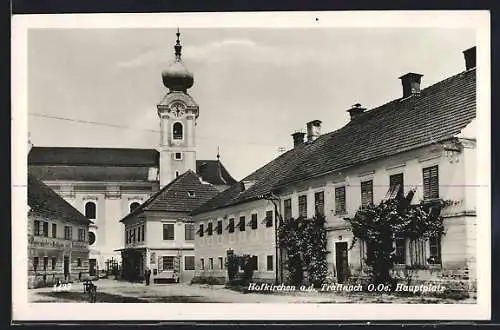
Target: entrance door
x: 92, y: 267
x: 341, y: 261
x: 66, y: 267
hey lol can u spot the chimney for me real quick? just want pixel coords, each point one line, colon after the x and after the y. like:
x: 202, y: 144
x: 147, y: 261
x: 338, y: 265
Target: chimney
x: 313, y: 130
x: 470, y: 58
x: 356, y: 110
x: 298, y: 138
x: 411, y: 84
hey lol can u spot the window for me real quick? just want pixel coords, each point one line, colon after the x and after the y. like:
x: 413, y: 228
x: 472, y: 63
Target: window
x: 303, y: 206
x: 254, y: 221
x: 54, y: 230
x: 431, y: 182
x: 133, y: 206
x: 133, y: 235
x: 191, y: 193
x: 319, y: 203
x: 91, y: 238
x: 36, y: 231
x: 209, y: 229
x: 176, y: 174
x: 400, y: 252
x: 287, y: 208
x: 366, y: 193
x: 435, y: 250
x: 168, y: 263
x: 270, y: 263
x: 45, y: 229
x: 254, y: 262
x: 201, y: 231
x: 231, y: 225
x: 219, y: 227
x: 340, y: 204
x: 177, y: 131
x: 35, y: 263
x: 45, y: 263
x: 189, y: 263
x: 189, y: 232
x: 202, y: 263
x: 90, y: 210
x: 210, y: 263
x: 143, y: 236
x: 221, y: 263
x: 68, y: 232
x: 178, y: 156
x: 138, y: 234
x: 396, y: 188
x: 54, y: 263
x: 81, y: 235
x: 79, y: 262
x: 127, y: 236
x: 168, y: 231
x: 269, y: 219
x: 242, y: 224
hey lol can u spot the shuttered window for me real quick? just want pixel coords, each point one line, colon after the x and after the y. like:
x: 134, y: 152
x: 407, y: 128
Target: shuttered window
x: 319, y: 203
x: 287, y: 208
x: 269, y: 218
x: 242, y: 224
x: 340, y: 205
x: 366, y: 193
x: 254, y: 221
x: 231, y: 225
x: 219, y: 227
x: 209, y: 229
x: 431, y: 182
x: 396, y: 188
x: 303, y: 206
x: 200, y: 231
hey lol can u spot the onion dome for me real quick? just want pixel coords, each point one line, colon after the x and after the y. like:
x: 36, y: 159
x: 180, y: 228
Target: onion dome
x: 177, y: 77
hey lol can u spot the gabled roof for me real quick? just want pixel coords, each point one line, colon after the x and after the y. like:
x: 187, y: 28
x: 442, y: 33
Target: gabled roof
x: 214, y: 172
x: 439, y: 113
x: 46, y: 202
x: 184, y: 194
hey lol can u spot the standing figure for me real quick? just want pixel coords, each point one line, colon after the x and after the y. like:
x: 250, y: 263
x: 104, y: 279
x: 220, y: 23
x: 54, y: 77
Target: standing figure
x: 148, y: 276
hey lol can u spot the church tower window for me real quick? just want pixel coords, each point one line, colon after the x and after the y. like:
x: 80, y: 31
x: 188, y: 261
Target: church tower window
x: 177, y: 131
x: 90, y: 210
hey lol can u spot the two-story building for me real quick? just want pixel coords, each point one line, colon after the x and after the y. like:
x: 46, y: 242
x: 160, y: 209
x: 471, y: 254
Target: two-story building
x: 58, y: 246
x: 424, y: 140
x: 159, y: 233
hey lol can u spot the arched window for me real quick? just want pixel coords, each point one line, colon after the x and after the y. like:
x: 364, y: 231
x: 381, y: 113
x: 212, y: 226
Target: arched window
x: 90, y: 210
x: 133, y: 206
x: 177, y: 131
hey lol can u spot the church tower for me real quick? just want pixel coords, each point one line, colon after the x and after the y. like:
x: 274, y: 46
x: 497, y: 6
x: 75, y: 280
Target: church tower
x: 178, y: 113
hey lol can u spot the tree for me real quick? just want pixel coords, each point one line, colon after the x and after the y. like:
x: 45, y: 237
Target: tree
x: 380, y: 225
x: 304, y: 240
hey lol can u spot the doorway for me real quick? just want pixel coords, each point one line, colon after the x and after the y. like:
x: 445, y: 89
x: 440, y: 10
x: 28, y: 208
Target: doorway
x: 341, y: 261
x: 66, y: 268
x: 92, y: 267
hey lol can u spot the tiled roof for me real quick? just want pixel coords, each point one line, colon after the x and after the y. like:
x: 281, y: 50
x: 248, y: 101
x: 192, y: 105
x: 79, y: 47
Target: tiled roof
x: 440, y: 112
x: 214, y: 172
x: 46, y: 202
x: 184, y: 194
x: 77, y: 156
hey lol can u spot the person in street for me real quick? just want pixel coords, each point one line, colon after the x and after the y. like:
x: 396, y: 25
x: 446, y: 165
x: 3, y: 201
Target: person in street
x: 146, y: 280
x: 148, y: 276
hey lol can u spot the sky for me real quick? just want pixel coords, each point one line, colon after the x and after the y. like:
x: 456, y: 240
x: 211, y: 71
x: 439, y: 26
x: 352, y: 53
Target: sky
x: 255, y: 86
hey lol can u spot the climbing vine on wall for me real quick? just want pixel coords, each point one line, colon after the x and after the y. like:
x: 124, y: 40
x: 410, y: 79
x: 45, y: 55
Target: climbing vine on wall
x: 379, y: 225
x: 304, y: 242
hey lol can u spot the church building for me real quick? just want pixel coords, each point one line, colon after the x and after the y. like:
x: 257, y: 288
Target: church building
x: 106, y: 184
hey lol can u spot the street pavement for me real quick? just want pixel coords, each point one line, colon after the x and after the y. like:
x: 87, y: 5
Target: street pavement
x: 112, y: 291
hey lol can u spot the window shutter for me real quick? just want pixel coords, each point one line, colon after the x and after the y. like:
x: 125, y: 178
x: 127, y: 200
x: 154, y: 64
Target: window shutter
x: 160, y: 264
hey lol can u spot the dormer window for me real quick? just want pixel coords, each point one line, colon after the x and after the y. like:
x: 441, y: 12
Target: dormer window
x: 191, y: 193
x: 177, y: 131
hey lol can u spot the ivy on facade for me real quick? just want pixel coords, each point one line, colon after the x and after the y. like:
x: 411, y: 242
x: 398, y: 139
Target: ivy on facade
x: 304, y: 241
x: 379, y: 225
